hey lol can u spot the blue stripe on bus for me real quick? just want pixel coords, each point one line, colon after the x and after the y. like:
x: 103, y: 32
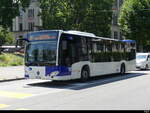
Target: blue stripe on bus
x: 63, y: 71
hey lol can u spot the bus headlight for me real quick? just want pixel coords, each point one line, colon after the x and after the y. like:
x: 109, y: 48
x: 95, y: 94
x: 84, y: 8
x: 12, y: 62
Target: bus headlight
x: 54, y: 73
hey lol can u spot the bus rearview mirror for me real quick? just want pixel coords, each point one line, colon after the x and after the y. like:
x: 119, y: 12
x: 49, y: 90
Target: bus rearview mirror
x: 19, y: 42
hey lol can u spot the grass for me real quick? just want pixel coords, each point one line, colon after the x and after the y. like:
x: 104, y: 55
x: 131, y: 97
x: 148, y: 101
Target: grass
x: 9, y: 59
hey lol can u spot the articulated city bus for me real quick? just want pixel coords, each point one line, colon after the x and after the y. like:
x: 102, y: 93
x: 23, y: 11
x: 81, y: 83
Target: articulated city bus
x: 67, y: 55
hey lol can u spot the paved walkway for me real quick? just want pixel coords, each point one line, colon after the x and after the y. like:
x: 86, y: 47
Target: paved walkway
x: 11, y: 73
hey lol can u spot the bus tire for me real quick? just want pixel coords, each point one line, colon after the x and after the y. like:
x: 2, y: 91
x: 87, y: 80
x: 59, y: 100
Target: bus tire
x: 122, y: 69
x: 146, y: 67
x: 85, y: 74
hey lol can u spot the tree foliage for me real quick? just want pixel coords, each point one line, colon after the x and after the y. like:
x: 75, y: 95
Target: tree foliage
x: 6, y: 37
x: 134, y: 20
x: 83, y: 15
x: 9, y: 9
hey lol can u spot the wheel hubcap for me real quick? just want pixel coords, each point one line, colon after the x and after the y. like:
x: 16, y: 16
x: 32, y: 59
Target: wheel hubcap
x: 85, y: 74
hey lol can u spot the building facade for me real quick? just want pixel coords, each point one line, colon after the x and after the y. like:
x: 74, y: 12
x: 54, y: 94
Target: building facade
x: 29, y: 20
x: 115, y: 30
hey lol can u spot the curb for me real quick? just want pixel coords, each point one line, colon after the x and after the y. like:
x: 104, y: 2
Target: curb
x: 8, y: 80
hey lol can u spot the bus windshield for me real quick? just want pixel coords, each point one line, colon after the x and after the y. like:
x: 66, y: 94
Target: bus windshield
x: 141, y: 56
x: 41, y: 53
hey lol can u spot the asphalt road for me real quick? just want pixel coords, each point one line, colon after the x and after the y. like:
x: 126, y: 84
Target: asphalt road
x: 112, y: 92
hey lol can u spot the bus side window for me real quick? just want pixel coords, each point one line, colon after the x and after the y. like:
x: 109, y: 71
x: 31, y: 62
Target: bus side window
x: 64, y: 45
x: 69, y: 49
x: 63, y: 52
x: 89, y: 44
x: 83, y: 49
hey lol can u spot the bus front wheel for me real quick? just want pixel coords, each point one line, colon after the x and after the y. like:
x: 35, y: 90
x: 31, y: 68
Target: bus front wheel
x: 85, y: 74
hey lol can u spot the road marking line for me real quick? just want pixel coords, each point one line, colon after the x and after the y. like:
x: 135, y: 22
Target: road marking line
x: 1, y: 79
x: 3, y: 106
x: 14, y: 94
x: 21, y: 109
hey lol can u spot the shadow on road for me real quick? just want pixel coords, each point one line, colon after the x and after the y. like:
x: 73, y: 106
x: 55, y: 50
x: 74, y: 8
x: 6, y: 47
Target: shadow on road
x: 93, y: 82
x: 143, y: 70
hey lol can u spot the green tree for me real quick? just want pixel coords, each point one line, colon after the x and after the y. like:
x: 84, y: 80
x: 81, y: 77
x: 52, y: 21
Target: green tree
x: 2, y: 36
x: 134, y: 21
x: 6, y: 37
x: 99, y: 17
x: 9, y: 9
x: 83, y: 15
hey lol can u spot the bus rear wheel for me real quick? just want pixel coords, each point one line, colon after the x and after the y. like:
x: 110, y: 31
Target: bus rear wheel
x: 146, y: 67
x: 85, y: 74
x: 122, y: 69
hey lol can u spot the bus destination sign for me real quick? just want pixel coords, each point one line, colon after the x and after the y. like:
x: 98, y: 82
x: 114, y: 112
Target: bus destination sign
x: 42, y: 36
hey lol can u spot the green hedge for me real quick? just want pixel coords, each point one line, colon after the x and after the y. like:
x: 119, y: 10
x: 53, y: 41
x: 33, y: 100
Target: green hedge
x: 7, y: 59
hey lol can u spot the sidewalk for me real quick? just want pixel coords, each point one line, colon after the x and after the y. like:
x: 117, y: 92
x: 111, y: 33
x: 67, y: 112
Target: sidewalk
x: 11, y: 73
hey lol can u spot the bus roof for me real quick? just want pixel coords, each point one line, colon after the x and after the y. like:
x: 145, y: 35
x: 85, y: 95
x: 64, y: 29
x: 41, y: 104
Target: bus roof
x: 74, y: 32
x: 79, y: 33
x: 111, y: 39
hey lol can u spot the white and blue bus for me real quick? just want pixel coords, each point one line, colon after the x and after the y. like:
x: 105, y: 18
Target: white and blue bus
x: 66, y: 55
